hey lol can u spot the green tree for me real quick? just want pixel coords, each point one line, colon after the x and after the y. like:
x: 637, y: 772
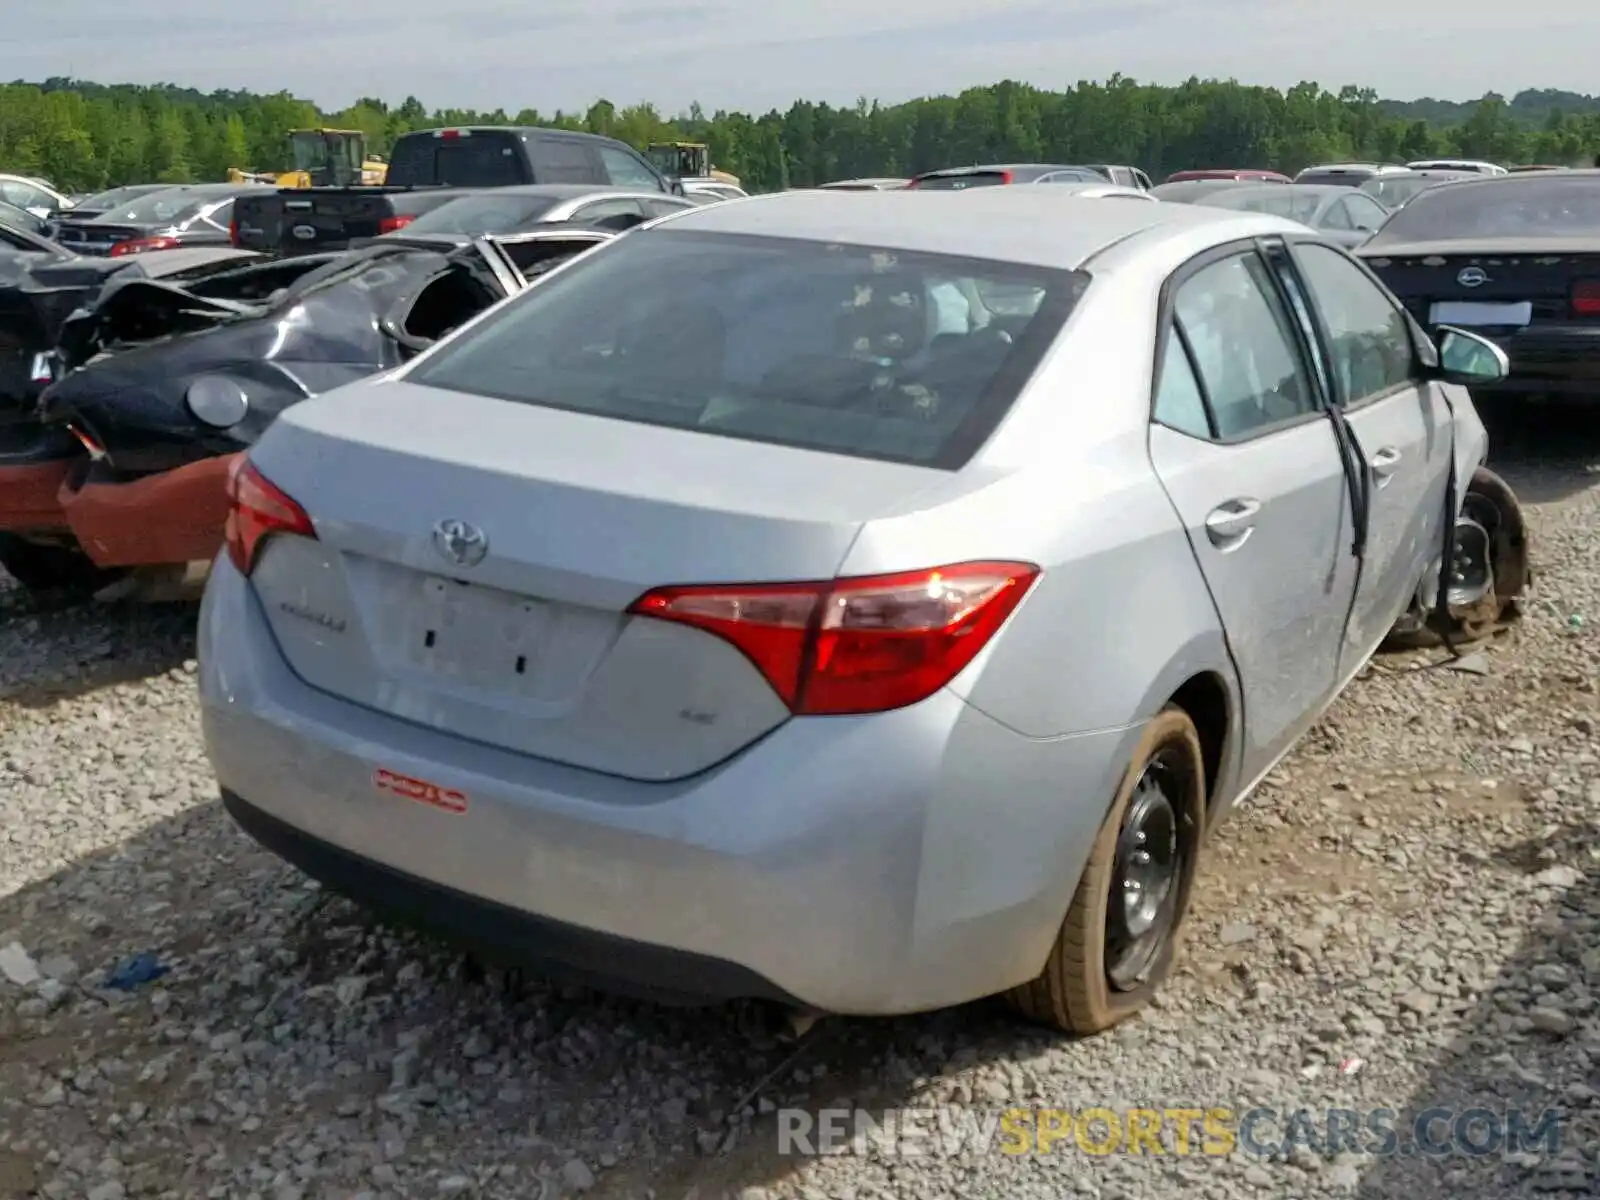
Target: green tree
x: 87, y: 135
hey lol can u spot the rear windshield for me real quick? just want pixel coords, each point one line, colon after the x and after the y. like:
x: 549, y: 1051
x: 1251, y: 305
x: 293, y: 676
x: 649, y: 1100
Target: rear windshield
x: 1188, y: 190
x: 157, y: 208
x: 1395, y: 190
x: 1341, y: 178
x: 955, y: 183
x: 849, y: 349
x: 482, y: 214
x: 1507, y: 206
x: 104, y: 200
x: 1277, y: 200
x: 483, y: 159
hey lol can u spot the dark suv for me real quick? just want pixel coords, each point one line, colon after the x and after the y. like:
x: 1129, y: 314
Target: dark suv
x: 427, y: 167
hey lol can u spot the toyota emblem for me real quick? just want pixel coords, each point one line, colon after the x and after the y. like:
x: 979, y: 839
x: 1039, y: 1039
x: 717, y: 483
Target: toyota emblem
x: 461, y: 543
x: 304, y: 232
x: 1472, y: 277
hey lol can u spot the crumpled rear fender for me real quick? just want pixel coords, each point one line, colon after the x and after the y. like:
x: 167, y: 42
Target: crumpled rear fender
x: 174, y: 517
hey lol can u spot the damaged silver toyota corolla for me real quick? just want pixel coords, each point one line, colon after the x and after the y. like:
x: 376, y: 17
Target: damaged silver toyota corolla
x: 865, y: 601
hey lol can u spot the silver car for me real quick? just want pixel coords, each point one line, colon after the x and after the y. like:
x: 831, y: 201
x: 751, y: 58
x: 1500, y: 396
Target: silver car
x: 865, y: 602
x: 1348, y: 216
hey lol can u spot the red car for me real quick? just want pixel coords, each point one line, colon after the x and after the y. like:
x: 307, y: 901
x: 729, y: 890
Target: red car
x: 1250, y: 173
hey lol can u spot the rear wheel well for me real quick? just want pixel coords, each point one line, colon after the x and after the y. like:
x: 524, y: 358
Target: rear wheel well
x: 1205, y: 699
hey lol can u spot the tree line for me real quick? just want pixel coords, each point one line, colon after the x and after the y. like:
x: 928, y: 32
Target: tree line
x: 86, y: 136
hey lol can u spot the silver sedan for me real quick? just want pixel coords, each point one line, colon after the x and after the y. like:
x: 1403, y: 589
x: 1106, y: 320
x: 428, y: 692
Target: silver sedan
x: 869, y: 602
x: 1348, y: 216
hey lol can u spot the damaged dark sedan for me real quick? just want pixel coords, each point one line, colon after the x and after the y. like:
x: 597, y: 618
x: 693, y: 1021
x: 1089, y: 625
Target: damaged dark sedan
x: 117, y: 482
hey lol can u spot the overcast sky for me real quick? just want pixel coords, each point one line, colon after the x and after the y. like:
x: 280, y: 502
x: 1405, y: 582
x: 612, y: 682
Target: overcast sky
x: 759, y: 54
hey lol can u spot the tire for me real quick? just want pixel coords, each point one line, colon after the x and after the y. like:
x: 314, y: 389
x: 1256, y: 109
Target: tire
x: 1074, y: 993
x: 1490, y: 500
x: 51, y: 569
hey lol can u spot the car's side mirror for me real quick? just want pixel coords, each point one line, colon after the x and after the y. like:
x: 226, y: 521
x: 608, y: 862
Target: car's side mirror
x: 1469, y: 358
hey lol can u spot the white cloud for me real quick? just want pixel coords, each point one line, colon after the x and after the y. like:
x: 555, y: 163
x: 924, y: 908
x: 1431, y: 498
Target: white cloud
x: 757, y: 54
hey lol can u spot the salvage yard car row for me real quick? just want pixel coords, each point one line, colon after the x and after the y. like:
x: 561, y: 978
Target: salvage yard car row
x: 627, y: 593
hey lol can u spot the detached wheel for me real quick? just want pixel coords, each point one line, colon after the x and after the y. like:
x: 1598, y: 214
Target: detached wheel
x: 51, y: 569
x: 1120, y: 938
x: 1490, y: 502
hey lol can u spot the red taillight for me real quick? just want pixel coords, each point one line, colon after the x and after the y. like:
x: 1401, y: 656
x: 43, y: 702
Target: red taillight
x: 233, y: 233
x: 142, y: 245
x: 390, y: 224
x: 256, y: 511
x: 447, y: 134
x: 858, y: 645
x: 1586, y: 298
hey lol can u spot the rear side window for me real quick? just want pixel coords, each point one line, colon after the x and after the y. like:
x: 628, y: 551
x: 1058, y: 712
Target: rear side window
x: 566, y: 161
x: 220, y: 215
x: 483, y: 159
x: 868, y: 352
x: 1180, y: 404
x: 625, y: 170
x: 1245, y: 350
x: 660, y: 208
x: 956, y: 183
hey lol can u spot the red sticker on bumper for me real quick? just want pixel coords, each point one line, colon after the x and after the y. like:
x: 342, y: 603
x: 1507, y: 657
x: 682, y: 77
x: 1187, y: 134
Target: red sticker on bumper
x: 420, y: 790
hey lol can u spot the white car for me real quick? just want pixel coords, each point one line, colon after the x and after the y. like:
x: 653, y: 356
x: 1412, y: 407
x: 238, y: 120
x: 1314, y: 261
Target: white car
x: 1476, y: 166
x: 1098, y: 191
x: 32, y: 195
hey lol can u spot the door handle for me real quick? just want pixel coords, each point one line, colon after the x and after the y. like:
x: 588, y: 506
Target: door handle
x: 1230, y: 522
x: 1384, y: 463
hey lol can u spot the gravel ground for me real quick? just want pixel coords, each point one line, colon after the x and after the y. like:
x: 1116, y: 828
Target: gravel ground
x: 1403, y: 917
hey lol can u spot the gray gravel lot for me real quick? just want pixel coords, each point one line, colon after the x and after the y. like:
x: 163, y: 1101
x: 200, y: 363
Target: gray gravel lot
x: 1406, y: 916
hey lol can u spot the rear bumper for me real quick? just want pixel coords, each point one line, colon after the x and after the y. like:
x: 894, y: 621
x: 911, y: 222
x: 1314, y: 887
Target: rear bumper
x: 571, y: 951
x: 174, y: 517
x: 907, y: 861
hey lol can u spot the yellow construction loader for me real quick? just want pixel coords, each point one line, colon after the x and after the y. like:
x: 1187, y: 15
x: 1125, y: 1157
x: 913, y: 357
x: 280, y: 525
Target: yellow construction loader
x: 687, y: 160
x: 322, y: 158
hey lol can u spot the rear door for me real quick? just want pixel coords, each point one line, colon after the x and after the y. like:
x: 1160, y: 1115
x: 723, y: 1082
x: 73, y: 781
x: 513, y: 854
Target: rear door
x: 1248, y: 456
x: 1401, y: 426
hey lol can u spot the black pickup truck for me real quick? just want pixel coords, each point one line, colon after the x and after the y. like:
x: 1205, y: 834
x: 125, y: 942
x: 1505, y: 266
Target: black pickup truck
x: 428, y: 167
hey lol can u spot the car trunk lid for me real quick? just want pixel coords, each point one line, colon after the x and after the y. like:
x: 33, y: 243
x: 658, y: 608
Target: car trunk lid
x: 1489, y: 285
x: 95, y: 238
x: 531, y: 648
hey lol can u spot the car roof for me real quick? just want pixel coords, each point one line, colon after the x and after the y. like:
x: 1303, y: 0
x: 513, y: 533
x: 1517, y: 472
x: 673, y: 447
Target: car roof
x: 520, y: 130
x: 204, y: 190
x: 1354, y: 169
x: 555, y: 191
x: 1088, y: 187
x: 986, y: 168
x: 1288, y: 189
x: 866, y: 181
x: 1589, y: 175
x: 1037, y: 226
